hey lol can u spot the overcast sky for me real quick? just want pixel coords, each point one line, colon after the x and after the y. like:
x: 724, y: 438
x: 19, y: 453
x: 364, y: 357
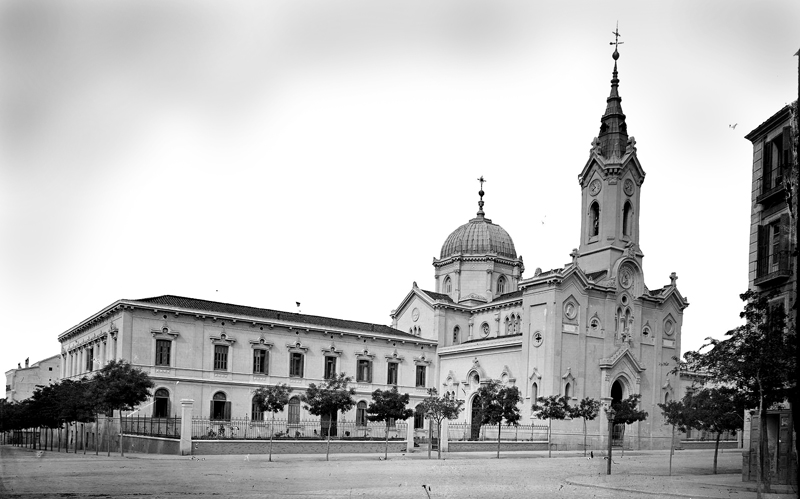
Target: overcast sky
x: 316, y: 151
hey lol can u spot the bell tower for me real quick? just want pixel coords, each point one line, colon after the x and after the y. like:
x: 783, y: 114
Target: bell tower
x: 610, y: 183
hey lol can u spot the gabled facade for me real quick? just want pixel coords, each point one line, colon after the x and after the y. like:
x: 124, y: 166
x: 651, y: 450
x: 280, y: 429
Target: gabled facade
x: 589, y: 329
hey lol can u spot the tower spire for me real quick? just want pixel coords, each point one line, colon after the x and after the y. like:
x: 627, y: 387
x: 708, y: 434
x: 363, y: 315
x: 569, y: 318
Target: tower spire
x: 480, y: 202
x: 613, y: 130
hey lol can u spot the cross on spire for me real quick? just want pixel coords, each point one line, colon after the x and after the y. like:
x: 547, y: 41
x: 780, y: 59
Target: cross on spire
x: 481, y: 180
x: 480, y: 193
x: 616, y: 41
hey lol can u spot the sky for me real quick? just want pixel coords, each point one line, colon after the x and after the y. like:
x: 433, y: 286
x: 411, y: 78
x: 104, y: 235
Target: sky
x: 321, y: 152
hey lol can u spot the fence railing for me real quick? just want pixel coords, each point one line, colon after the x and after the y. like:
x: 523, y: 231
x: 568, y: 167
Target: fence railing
x: 249, y: 429
x: 521, y: 433
x: 152, y: 427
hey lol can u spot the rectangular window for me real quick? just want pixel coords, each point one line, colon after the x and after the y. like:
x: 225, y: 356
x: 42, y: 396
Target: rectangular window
x: 330, y: 367
x: 391, y: 373
x: 364, y: 371
x: 420, y: 376
x: 776, y: 243
x: 220, y: 358
x: 296, y: 365
x: 89, y: 358
x: 162, y: 352
x: 260, y: 361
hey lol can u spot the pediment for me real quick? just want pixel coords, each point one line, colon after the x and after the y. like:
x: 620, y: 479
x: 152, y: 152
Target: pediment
x: 409, y: 299
x: 623, y: 355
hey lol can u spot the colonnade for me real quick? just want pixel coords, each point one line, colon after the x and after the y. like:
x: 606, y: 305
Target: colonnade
x: 88, y: 357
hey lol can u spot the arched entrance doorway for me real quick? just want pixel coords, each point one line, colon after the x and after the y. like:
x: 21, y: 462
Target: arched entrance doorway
x: 617, y: 393
x: 475, y: 419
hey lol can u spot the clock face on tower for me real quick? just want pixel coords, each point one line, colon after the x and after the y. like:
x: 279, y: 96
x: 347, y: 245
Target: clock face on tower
x: 595, y: 187
x: 628, y: 186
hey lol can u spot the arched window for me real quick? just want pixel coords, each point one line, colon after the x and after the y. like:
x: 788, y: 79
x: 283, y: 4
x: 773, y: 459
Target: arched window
x: 361, y: 414
x: 220, y: 407
x: 626, y: 219
x: 294, y: 410
x: 448, y: 285
x: 509, y: 323
x: 516, y: 324
x: 617, y: 392
x: 534, y: 392
x: 161, y: 404
x: 594, y: 220
x: 567, y: 390
x: 501, y: 285
x: 419, y: 417
x: 456, y: 334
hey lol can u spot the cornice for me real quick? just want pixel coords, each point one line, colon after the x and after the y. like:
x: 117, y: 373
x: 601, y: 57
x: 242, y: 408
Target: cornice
x: 478, y: 258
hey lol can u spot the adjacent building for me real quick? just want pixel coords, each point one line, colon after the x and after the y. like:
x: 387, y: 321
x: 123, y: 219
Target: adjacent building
x: 23, y: 381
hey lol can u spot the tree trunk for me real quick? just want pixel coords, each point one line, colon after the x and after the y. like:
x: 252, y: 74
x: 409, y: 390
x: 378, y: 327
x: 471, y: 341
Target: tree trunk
x: 498, y: 440
x: 386, y: 453
x: 549, y: 437
x: 610, y: 443
x: 430, y: 436
x: 328, y: 448
x: 584, y: 437
x: 622, y: 439
x: 762, y: 474
x: 439, y: 447
x: 716, y: 451
x: 671, y: 449
x: 271, y: 431
x: 108, y: 438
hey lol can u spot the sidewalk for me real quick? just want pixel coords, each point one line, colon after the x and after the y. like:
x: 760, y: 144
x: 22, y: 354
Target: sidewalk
x: 703, y: 486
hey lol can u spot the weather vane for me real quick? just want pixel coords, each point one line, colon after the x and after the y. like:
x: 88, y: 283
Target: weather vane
x: 616, y: 41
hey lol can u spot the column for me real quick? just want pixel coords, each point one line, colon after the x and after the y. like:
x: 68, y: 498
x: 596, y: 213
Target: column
x: 103, y: 351
x: 186, y: 426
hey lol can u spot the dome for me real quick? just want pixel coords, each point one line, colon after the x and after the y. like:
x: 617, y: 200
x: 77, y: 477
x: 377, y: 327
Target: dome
x: 479, y: 237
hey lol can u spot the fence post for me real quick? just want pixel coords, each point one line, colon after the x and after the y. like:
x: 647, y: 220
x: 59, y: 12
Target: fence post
x: 410, y: 434
x: 444, y: 435
x: 186, y: 426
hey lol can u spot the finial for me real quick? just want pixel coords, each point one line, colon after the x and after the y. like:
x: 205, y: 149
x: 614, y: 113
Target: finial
x: 616, y: 43
x: 480, y: 193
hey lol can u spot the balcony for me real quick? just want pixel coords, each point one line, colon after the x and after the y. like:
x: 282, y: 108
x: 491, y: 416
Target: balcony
x: 773, y: 268
x: 770, y: 186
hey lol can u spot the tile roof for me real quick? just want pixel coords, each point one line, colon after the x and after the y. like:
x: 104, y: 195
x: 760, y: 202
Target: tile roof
x: 769, y: 122
x: 267, y: 314
x: 490, y: 338
x: 510, y: 295
x: 438, y: 296
x: 594, y: 276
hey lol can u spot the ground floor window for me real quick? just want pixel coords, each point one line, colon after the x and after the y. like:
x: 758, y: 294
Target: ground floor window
x: 419, y: 417
x: 220, y: 407
x: 361, y: 414
x: 294, y: 411
x: 256, y: 414
x: 161, y: 404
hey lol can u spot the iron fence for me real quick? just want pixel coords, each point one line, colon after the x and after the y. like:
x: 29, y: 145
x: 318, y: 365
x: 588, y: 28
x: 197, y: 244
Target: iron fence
x: 510, y: 433
x: 249, y: 429
x: 152, y: 427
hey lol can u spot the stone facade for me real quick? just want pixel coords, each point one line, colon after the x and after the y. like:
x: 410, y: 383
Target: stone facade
x: 589, y: 329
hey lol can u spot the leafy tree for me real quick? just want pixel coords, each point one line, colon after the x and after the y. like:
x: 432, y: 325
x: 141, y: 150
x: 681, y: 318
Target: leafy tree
x: 674, y: 413
x: 624, y: 412
x: 272, y: 399
x: 715, y: 410
x: 587, y: 409
x: 439, y: 408
x: 327, y: 399
x: 120, y: 387
x: 498, y: 404
x: 759, y: 359
x: 388, y: 405
x: 76, y: 400
x: 550, y: 408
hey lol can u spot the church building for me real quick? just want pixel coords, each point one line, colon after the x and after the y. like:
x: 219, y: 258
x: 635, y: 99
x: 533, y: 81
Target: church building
x: 589, y: 329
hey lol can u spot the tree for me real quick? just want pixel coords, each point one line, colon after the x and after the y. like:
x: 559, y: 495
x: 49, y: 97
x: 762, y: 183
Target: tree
x: 759, y: 359
x: 587, y: 409
x: 674, y: 413
x: 498, y: 404
x: 388, y: 405
x: 624, y: 412
x: 438, y: 409
x: 120, y: 387
x: 550, y: 408
x: 272, y: 399
x: 715, y: 410
x: 327, y: 399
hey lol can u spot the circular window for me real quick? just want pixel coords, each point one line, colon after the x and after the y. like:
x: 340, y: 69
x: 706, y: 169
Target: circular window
x: 646, y: 332
x: 594, y: 324
x: 537, y: 338
x: 624, y: 300
x: 669, y: 327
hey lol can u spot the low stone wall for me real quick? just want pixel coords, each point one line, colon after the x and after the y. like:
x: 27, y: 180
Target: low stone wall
x: 221, y: 447
x: 151, y: 445
x: 488, y: 445
x: 708, y: 444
